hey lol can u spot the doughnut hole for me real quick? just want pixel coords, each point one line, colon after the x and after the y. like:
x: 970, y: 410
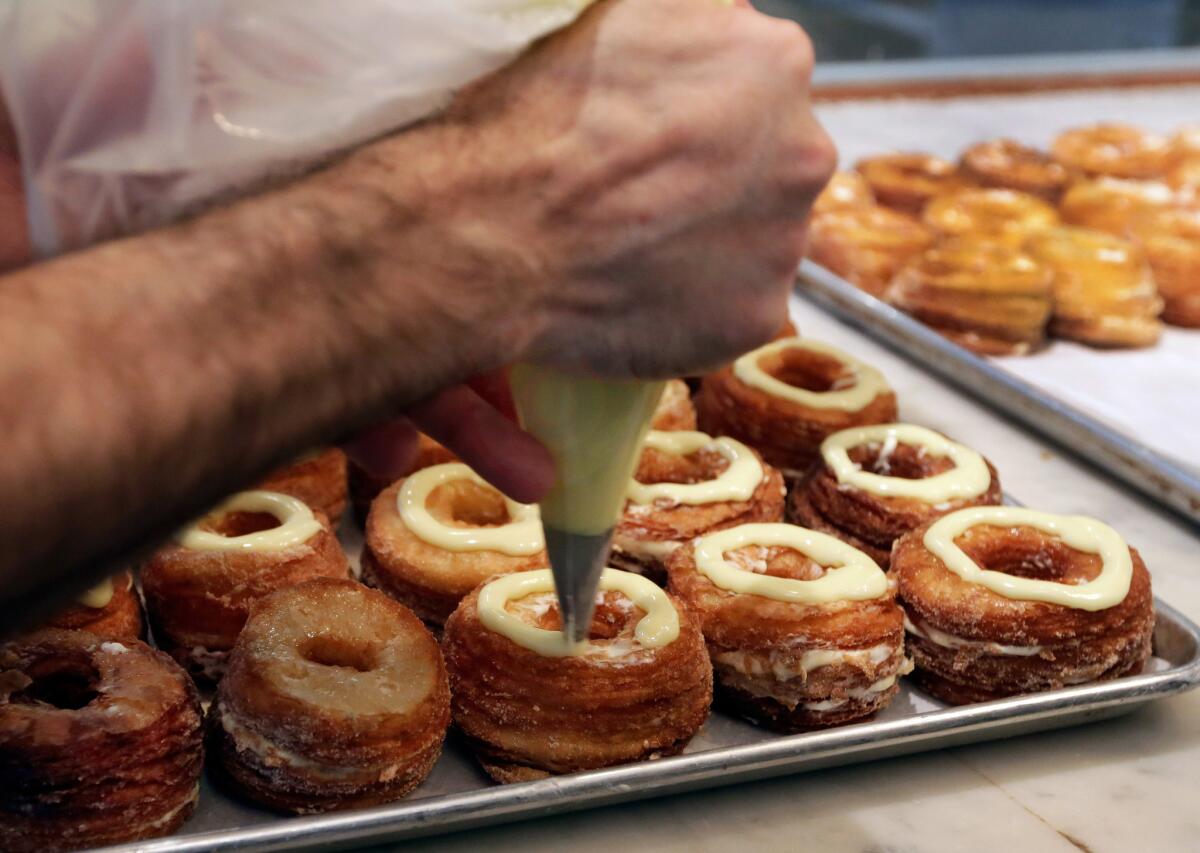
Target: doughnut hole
x: 1029, y: 554
x: 68, y: 683
x: 615, y: 615
x: 808, y: 370
x: 232, y: 524
x: 327, y: 650
x: 776, y: 561
x: 905, y: 461
x: 463, y: 503
x: 655, y: 466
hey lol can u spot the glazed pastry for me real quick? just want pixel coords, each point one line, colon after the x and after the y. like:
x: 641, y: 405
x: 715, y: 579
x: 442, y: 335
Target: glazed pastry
x: 1005, y: 216
x: 783, y: 399
x: 875, y: 483
x: 531, y: 704
x: 99, y: 742
x: 675, y: 410
x: 200, y: 588
x: 686, y: 484
x: 985, y: 296
x: 1171, y: 241
x: 1001, y: 601
x: 439, y: 533
x: 907, y: 181
x: 1104, y: 292
x: 110, y: 609
x: 1009, y: 165
x: 336, y: 698
x: 1111, y: 205
x: 845, y: 191
x: 1117, y: 150
x: 866, y: 245
x: 803, y: 630
x: 317, y: 478
x: 366, y: 485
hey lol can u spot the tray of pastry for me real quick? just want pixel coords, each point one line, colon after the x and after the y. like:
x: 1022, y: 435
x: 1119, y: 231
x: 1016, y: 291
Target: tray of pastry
x: 804, y: 584
x: 1054, y: 235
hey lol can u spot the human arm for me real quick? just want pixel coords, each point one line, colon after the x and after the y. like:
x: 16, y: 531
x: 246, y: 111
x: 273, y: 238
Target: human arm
x: 629, y: 198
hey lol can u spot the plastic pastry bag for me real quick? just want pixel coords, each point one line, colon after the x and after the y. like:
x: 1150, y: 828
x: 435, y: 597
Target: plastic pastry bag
x: 129, y: 113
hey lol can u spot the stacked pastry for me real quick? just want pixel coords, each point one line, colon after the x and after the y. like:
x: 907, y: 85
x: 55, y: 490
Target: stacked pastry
x: 967, y: 248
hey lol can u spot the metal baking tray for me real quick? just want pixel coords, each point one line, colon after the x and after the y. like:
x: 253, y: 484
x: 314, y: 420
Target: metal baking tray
x: 728, y: 750
x: 1151, y: 473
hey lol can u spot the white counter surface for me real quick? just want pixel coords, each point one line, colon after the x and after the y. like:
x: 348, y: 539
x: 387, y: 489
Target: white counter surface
x: 1123, y: 785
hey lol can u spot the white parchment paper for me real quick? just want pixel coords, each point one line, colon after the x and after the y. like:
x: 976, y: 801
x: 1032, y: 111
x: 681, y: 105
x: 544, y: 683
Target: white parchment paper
x: 1152, y: 395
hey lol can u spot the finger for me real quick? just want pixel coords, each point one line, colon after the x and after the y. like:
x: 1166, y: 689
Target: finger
x: 387, y: 450
x: 496, y: 448
x: 493, y: 387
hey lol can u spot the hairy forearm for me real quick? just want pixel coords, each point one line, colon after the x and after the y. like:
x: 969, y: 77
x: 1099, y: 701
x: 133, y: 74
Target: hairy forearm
x: 146, y: 377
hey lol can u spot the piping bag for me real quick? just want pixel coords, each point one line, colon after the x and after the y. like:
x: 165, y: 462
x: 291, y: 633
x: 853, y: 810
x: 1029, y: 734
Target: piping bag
x: 594, y: 429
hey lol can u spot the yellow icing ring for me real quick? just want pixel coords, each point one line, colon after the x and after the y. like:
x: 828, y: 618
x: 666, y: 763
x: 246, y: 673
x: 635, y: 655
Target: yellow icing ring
x: 98, y: 596
x: 1088, y: 535
x: 659, y: 627
x: 969, y: 477
x: 868, y: 383
x: 737, y: 482
x: 521, y: 537
x: 850, y: 574
x: 297, y: 525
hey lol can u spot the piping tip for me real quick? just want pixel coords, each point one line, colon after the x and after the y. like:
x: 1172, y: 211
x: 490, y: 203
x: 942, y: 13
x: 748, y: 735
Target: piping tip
x: 576, y: 561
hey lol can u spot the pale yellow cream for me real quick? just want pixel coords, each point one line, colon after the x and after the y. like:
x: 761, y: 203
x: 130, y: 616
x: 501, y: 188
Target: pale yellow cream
x: 521, y: 537
x: 850, y: 574
x: 863, y: 385
x: 659, y: 627
x: 1107, y: 589
x: 593, y: 428
x: 99, y: 596
x: 736, y: 483
x: 297, y: 525
x: 969, y: 478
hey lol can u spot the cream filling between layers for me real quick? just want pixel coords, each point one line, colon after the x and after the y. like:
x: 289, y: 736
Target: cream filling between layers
x: 783, y: 666
x: 521, y: 537
x: 859, y: 693
x: 863, y: 384
x: 950, y: 641
x: 737, y: 482
x: 1088, y: 535
x: 297, y: 525
x: 969, y: 478
x: 644, y: 548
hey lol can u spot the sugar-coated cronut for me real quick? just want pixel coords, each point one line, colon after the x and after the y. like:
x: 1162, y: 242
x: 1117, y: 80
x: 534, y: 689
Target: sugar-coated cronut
x: 100, y: 742
x: 117, y: 614
x: 318, y: 478
x: 336, y: 698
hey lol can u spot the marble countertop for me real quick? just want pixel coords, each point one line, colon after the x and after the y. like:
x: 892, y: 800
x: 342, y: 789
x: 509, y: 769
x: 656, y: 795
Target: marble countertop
x: 1109, y: 787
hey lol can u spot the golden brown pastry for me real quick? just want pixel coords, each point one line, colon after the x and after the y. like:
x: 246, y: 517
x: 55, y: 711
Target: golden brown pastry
x: 686, y: 484
x: 1117, y: 150
x: 336, y: 698
x: 317, y: 478
x: 1104, y: 292
x: 440, y: 532
x: 784, y: 398
x: 795, y: 643
x: 530, y: 704
x: 200, y: 588
x: 986, y: 296
x: 100, y: 742
x: 1006, y: 216
x: 866, y: 245
x: 907, y: 181
x: 366, y: 485
x: 110, y: 609
x: 845, y: 191
x: 1001, y: 601
x: 1007, y: 164
x: 675, y: 409
x: 1111, y: 205
x: 1170, y: 238
x: 875, y: 483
